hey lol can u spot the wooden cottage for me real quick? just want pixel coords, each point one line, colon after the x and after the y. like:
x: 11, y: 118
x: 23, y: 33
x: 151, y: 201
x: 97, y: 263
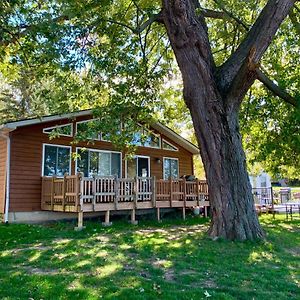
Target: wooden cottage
x: 40, y: 179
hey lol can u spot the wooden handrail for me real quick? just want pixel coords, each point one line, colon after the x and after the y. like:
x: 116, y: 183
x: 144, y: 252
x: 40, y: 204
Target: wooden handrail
x: 78, y: 191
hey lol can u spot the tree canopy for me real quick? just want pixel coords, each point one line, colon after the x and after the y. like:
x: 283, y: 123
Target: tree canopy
x: 63, y: 55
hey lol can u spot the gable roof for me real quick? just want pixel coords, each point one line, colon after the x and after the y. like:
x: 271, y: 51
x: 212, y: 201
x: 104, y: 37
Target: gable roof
x: 168, y: 132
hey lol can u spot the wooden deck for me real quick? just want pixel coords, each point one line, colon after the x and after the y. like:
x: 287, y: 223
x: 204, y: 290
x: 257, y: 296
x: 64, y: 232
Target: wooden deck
x: 82, y: 194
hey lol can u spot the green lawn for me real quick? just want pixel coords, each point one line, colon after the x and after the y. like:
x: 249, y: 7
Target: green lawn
x: 171, y: 260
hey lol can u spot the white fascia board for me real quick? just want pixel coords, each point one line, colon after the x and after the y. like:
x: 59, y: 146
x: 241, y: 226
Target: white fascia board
x: 16, y: 124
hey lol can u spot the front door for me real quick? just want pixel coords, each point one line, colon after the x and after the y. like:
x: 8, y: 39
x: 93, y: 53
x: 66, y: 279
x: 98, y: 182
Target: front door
x: 139, y: 166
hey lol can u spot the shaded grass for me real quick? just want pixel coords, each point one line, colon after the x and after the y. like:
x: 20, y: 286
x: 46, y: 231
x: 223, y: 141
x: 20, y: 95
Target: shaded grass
x: 171, y: 260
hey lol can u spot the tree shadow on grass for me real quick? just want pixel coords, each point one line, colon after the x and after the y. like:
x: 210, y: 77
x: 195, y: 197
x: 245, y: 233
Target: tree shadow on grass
x: 173, y: 260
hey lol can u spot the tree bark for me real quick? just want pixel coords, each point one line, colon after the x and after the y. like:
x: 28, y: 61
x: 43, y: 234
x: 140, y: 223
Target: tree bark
x: 216, y: 126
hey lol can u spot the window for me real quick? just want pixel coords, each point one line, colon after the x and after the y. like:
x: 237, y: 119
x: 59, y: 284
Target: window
x: 170, y: 168
x: 56, y: 160
x: 146, y: 138
x: 87, y: 130
x: 139, y: 166
x: 60, y: 130
x: 102, y: 163
x: 168, y: 146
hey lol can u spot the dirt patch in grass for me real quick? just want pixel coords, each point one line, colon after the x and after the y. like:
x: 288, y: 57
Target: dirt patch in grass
x: 169, y: 276
x: 38, y: 247
x: 39, y: 271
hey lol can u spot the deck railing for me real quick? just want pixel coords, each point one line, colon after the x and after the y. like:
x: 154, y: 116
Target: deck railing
x: 101, y: 193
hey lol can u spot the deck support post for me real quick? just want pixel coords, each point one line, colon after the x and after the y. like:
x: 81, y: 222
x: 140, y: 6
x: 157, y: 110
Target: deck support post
x: 158, y: 214
x: 205, y: 211
x: 133, y: 221
x: 80, y: 221
x: 183, y: 213
x: 107, y: 222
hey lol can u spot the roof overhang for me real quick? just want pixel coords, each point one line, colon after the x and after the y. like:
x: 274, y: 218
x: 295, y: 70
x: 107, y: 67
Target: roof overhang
x: 168, y: 132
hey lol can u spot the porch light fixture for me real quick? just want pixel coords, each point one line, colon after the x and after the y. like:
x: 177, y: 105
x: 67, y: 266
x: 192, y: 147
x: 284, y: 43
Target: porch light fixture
x: 158, y: 160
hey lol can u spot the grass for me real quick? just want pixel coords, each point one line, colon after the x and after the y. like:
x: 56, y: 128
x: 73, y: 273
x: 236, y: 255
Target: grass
x: 171, y: 260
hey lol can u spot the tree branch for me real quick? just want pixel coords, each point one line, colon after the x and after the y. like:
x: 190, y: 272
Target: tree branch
x: 231, y: 15
x: 247, y: 56
x: 152, y: 19
x: 275, y: 89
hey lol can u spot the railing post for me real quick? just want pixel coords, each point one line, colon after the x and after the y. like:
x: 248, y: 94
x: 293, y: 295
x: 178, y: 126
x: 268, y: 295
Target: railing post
x: 94, y: 192
x: 117, y: 194
x: 78, y: 190
x: 64, y: 187
x: 153, y: 186
x: 171, y: 191
x: 81, y: 191
x: 42, y: 193
x: 272, y: 199
x: 52, y: 191
x: 184, y: 192
x: 136, y: 190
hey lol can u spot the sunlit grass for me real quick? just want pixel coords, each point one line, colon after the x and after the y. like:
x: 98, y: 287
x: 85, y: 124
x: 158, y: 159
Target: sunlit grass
x: 170, y: 260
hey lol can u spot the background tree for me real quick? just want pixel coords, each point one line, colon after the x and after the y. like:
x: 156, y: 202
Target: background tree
x: 125, y: 47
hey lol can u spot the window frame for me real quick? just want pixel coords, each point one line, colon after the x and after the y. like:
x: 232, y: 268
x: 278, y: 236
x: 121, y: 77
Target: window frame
x: 59, y: 126
x: 163, y: 166
x: 43, y: 158
x: 170, y: 144
x: 98, y: 150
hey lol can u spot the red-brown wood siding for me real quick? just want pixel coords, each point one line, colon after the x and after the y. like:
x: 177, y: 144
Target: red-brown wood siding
x: 3, y: 152
x: 26, y: 162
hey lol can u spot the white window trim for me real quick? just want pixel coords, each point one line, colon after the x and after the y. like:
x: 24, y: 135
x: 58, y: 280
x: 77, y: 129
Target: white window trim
x: 98, y: 150
x: 165, y: 141
x: 59, y: 126
x: 135, y: 157
x: 86, y: 121
x: 43, y: 158
x: 163, y: 166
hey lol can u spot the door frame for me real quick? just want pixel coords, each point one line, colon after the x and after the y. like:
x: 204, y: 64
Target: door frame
x: 136, y: 157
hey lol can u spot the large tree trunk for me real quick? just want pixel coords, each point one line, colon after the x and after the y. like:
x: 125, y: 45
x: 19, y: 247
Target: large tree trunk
x: 215, y: 119
x: 232, y: 206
